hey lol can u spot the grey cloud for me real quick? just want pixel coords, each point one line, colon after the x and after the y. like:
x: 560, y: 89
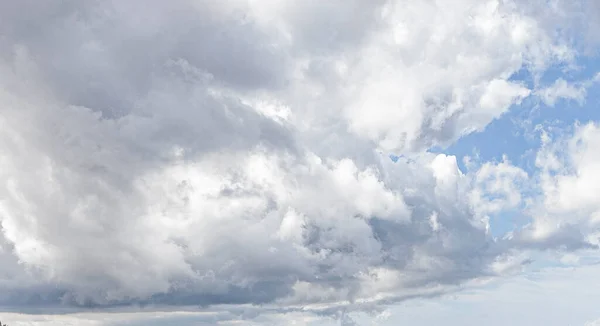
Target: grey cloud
x: 103, y: 55
x: 330, y: 27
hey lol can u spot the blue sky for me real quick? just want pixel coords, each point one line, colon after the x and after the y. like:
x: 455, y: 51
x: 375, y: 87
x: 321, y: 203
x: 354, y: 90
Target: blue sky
x: 515, y: 135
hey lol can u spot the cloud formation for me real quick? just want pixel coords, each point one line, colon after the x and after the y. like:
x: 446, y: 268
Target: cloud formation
x: 202, y: 153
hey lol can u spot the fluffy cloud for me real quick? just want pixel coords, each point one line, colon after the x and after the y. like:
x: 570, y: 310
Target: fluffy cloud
x: 496, y: 188
x: 566, y: 211
x: 195, y: 152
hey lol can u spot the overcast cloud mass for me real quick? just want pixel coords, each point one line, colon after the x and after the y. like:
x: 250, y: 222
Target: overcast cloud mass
x: 253, y: 157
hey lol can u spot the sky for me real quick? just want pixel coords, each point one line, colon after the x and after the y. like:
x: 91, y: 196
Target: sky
x: 278, y: 162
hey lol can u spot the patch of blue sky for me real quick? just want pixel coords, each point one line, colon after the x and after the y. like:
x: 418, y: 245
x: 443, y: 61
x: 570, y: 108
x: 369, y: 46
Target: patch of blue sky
x: 515, y: 133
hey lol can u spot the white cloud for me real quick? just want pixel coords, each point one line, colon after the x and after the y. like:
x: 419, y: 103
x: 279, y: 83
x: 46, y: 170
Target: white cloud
x: 564, y: 212
x: 417, y: 83
x: 194, y: 152
x: 570, y: 186
x: 593, y: 323
x: 561, y: 89
x: 497, y: 187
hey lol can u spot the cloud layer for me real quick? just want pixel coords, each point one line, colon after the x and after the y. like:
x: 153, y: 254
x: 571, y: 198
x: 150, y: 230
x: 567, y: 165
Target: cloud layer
x: 201, y: 153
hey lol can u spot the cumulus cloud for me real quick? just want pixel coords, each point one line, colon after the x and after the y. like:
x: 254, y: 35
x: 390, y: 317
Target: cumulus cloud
x: 497, y: 187
x: 201, y: 153
x: 566, y: 211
